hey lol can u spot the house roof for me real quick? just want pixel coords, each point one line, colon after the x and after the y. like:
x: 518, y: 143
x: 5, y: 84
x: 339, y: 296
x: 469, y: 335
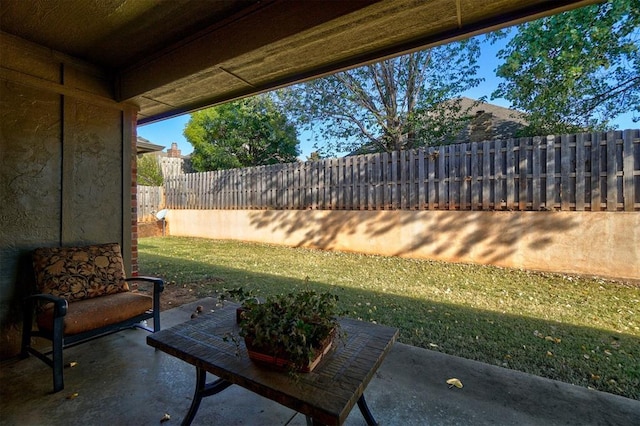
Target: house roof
x: 503, y: 122
x: 486, y: 122
x: 173, y: 57
x: 144, y: 146
x: 498, y: 112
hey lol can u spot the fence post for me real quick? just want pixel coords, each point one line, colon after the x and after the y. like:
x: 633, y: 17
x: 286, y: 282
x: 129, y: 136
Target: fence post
x: 522, y: 173
x: 499, y: 166
x: 454, y: 188
x: 536, y: 170
x: 551, y: 173
x: 432, y: 158
x: 580, y: 171
x: 486, y: 175
x: 565, y: 170
x: 612, y: 169
x: 443, y: 179
x: 419, y: 176
x: 596, y: 199
x: 628, y: 171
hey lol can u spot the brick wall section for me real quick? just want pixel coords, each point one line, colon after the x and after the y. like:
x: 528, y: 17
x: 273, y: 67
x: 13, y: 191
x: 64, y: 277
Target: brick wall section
x: 134, y: 205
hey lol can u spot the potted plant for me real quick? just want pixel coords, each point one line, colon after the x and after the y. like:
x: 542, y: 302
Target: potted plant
x: 291, y: 330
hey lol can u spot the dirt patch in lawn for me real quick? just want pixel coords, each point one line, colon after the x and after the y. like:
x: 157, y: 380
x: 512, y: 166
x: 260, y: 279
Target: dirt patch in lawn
x: 175, y: 295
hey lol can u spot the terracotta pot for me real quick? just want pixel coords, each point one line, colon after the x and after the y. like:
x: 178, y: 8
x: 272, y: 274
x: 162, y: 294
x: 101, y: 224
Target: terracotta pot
x: 278, y: 359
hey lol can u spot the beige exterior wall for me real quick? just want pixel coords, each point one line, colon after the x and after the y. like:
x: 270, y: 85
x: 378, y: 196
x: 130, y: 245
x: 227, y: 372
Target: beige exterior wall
x: 595, y: 243
x: 65, y: 166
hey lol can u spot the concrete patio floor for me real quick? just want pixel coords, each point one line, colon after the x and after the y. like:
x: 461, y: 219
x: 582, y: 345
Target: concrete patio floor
x: 119, y: 380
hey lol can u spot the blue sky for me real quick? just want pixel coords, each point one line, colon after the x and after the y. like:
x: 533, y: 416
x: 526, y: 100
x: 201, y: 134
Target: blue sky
x: 168, y: 131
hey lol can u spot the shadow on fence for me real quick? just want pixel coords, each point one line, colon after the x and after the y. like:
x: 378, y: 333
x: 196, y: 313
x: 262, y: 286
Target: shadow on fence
x: 455, y: 234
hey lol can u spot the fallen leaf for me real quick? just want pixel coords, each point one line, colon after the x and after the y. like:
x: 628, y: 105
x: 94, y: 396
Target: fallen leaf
x: 454, y: 382
x: 165, y: 418
x: 70, y: 364
x: 72, y: 396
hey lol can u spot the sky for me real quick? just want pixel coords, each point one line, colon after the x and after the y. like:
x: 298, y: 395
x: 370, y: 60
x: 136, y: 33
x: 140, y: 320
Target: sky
x: 171, y: 130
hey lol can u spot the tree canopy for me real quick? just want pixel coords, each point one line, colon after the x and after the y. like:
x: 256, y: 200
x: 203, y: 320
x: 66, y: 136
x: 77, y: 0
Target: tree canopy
x: 575, y: 71
x: 149, y: 172
x: 248, y: 132
x: 400, y: 103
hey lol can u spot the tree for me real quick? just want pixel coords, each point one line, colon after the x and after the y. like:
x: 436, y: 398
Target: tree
x: 400, y: 103
x: 574, y: 71
x: 314, y: 156
x: 243, y: 133
x: 149, y: 172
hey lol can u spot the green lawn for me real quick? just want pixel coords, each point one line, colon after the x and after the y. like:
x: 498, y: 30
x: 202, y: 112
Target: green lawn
x: 579, y: 330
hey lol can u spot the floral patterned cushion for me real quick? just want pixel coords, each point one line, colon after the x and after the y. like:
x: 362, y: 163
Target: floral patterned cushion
x: 77, y: 273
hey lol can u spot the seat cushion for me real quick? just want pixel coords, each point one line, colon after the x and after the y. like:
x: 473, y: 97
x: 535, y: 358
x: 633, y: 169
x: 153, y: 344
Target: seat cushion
x: 89, y: 314
x: 78, y: 273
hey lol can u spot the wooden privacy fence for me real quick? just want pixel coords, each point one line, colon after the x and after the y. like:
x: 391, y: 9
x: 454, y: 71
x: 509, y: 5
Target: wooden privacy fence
x: 589, y: 171
x: 150, y: 201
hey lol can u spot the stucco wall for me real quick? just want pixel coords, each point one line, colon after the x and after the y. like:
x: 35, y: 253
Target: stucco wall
x: 65, y: 166
x: 598, y: 243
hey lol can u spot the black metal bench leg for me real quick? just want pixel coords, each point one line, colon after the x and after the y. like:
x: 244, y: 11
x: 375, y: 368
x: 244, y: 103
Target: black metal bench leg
x: 156, y: 311
x: 27, y: 324
x: 58, y: 362
x: 366, y: 413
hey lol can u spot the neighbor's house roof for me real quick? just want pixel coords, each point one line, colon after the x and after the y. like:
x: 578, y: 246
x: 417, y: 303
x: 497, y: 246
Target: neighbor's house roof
x: 490, y: 122
x: 486, y: 122
x: 145, y: 146
x: 173, y: 57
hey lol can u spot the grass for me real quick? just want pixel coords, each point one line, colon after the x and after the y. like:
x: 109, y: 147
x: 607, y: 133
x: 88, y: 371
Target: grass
x: 579, y: 330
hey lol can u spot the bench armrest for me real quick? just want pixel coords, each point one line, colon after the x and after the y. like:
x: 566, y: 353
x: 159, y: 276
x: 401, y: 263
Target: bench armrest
x: 60, y: 305
x: 158, y: 287
x: 158, y: 283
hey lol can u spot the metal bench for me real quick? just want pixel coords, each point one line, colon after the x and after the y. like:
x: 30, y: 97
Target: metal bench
x: 83, y: 293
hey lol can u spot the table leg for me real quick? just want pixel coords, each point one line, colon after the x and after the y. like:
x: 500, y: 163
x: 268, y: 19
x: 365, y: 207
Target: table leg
x: 366, y: 413
x: 203, y: 389
x: 364, y: 409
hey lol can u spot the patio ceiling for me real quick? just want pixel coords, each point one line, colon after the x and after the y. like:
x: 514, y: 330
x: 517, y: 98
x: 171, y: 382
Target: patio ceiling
x: 173, y: 57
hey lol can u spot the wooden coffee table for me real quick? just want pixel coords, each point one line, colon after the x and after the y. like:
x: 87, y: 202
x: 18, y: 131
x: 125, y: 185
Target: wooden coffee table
x: 326, y: 395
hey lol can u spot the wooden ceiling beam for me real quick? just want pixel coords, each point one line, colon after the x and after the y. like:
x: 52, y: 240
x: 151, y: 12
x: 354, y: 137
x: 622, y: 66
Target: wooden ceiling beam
x: 267, y: 23
x: 463, y: 27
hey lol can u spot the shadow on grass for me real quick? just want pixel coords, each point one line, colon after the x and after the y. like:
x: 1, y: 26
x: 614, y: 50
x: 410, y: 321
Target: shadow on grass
x: 584, y: 356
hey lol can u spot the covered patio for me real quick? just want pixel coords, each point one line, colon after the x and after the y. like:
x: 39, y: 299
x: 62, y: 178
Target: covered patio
x: 79, y: 76
x: 120, y: 380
